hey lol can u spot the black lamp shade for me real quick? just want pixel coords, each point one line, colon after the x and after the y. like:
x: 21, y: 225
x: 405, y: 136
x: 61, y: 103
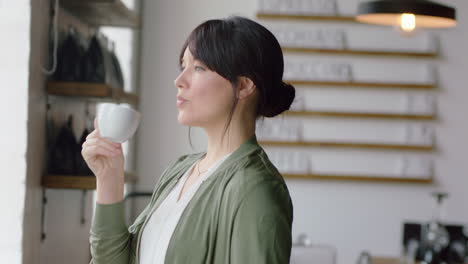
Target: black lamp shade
x: 388, y: 12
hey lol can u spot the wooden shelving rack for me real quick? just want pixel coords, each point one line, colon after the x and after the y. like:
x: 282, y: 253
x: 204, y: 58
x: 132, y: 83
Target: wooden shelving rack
x: 320, y: 18
x: 362, y: 115
x: 102, y: 12
x: 353, y: 52
x: 323, y: 144
x: 387, y: 85
x: 91, y: 90
x: 358, y: 115
x: 360, y: 178
x: 391, y: 260
x: 103, y: 92
x: 77, y: 182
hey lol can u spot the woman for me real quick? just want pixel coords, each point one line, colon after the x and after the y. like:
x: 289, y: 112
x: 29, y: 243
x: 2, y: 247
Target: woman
x: 228, y: 204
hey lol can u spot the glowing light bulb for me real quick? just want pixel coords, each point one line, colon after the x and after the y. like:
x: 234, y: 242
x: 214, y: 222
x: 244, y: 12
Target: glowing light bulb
x: 408, y: 22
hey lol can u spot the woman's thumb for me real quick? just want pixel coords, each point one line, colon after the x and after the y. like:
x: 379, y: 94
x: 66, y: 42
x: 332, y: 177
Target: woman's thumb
x: 96, y: 125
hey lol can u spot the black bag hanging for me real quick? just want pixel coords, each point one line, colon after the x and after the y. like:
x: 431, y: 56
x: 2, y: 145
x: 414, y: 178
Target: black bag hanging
x: 111, y: 74
x: 117, y: 70
x: 62, y: 155
x: 81, y: 166
x: 51, y: 132
x: 69, y: 58
x: 93, y: 65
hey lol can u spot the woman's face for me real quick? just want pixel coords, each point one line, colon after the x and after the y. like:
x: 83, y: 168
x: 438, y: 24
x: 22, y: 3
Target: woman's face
x: 204, y: 97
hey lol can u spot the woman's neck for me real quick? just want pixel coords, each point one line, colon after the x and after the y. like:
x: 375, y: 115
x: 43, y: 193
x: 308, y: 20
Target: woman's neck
x: 221, y: 142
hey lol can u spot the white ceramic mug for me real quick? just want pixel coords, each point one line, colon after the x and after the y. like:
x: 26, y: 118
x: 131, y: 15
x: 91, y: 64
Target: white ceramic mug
x: 116, y: 122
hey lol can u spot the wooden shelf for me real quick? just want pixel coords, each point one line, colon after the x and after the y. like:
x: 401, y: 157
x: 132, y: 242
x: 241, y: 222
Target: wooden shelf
x: 418, y: 86
x: 321, y: 144
x: 390, y: 260
x: 76, y: 182
x: 103, y: 12
x: 366, y: 115
x: 365, y: 178
x: 92, y: 90
x: 424, y: 55
x: 347, y: 19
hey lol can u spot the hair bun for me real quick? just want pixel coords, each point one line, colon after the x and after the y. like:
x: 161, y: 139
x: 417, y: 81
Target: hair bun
x: 281, y: 100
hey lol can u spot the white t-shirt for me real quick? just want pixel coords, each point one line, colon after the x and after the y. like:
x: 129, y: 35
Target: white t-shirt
x: 162, y: 223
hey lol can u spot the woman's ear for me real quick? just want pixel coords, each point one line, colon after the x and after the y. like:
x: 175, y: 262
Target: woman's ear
x: 246, y: 87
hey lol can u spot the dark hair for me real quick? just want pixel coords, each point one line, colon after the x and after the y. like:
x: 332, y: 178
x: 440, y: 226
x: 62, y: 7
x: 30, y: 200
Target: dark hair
x: 237, y: 46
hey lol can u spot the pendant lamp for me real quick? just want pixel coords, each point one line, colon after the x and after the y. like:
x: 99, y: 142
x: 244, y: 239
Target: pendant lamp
x: 407, y: 14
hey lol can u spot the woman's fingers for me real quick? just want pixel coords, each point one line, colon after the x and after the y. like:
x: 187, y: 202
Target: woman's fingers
x: 111, y: 146
x: 95, y: 150
x: 96, y: 145
x: 96, y: 125
x: 95, y: 132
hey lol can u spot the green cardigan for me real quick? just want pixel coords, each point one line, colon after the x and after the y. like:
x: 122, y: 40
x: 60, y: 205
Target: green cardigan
x: 241, y: 214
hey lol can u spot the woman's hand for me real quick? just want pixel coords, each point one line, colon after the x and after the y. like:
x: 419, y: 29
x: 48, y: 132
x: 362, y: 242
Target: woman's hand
x: 105, y: 159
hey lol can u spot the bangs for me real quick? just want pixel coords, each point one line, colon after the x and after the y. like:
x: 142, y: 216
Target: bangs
x: 209, y: 44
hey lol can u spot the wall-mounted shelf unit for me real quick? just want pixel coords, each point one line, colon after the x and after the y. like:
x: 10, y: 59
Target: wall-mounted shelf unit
x: 91, y: 90
x: 390, y: 260
x: 385, y: 53
x: 102, y: 12
x: 367, y: 115
x: 322, y: 144
x: 360, y: 178
x: 319, y: 18
x: 417, y: 86
x: 76, y: 182
x: 423, y: 86
x: 86, y: 16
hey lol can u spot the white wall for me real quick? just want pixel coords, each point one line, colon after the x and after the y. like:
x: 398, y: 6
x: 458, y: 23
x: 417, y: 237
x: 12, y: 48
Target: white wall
x: 14, y: 66
x: 351, y: 216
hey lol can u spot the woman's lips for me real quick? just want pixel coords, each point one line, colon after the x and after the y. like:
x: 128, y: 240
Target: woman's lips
x: 180, y: 101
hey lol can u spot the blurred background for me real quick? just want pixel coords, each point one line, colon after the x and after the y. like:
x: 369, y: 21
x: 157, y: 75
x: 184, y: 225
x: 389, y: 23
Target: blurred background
x: 373, y: 150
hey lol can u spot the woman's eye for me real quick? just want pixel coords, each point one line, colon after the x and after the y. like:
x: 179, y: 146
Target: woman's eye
x: 199, y: 68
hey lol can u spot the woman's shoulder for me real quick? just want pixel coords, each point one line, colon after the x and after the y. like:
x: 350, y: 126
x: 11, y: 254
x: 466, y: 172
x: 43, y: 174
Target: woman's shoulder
x: 256, y: 167
x: 256, y: 185
x: 255, y: 172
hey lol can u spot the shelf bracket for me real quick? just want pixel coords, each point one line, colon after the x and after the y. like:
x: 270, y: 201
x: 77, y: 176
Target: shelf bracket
x: 83, y: 207
x: 43, y: 213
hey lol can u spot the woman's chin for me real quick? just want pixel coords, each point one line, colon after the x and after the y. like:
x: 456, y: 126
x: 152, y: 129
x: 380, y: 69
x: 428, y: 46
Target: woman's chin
x: 186, y: 122
x: 183, y: 121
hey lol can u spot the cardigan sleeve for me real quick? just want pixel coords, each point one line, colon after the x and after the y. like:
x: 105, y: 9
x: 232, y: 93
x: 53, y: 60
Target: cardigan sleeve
x: 110, y: 239
x: 109, y: 236
x: 262, y: 226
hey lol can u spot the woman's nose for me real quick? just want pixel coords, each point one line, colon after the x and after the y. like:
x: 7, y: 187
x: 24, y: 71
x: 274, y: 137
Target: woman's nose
x: 180, y: 81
